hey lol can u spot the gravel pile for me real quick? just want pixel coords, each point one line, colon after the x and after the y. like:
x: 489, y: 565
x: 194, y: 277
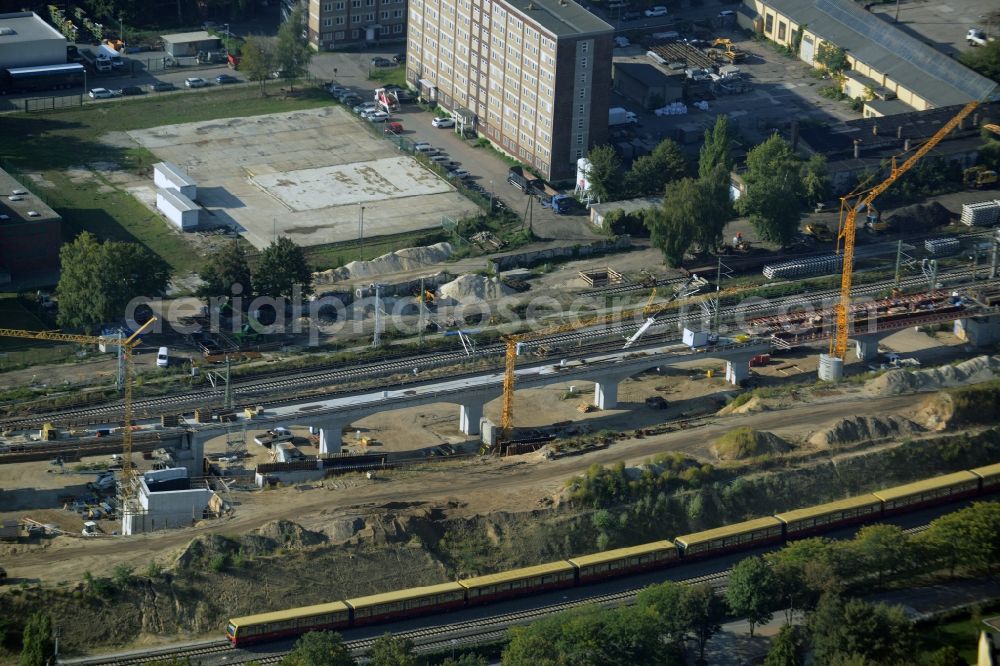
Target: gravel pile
x: 407, y: 259
x: 471, y: 288
x: 896, y: 382
x: 863, y: 429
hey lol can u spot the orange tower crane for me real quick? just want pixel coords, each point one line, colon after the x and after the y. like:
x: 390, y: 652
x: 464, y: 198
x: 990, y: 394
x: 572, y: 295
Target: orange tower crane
x: 127, y: 345
x: 859, y: 201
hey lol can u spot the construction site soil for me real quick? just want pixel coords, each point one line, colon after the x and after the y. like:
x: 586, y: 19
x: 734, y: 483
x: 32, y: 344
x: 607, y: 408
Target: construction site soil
x: 349, y: 536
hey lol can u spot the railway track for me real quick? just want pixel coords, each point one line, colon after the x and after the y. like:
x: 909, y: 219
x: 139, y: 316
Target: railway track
x: 571, y: 344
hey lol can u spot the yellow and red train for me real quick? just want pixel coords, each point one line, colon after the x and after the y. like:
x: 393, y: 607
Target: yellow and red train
x: 795, y: 524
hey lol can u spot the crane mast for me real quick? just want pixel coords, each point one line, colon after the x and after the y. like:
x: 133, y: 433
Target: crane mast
x: 848, y: 227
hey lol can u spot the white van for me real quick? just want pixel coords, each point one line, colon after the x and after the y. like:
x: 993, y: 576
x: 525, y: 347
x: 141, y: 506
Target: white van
x: 162, y: 358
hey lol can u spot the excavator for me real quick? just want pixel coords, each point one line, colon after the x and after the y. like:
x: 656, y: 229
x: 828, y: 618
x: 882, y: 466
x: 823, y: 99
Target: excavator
x: 729, y: 50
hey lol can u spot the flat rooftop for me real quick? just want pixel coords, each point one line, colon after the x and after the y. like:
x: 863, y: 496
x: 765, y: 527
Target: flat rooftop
x: 18, y: 212
x: 19, y: 27
x: 184, y: 37
x: 561, y: 17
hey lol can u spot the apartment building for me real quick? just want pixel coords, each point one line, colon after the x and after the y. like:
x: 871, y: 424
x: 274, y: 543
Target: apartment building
x: 334, y: 24
x: 533, y: 77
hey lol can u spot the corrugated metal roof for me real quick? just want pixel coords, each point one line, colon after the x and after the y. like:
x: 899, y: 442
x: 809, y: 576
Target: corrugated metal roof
x: 562, y: 19
x: 277, y: 616
x: 517, y: 574
x: 923, y: 486
x: 728, y: 530
x: 619, y: 553
x: 829, y: 507
x: 916, y: 66
x: 404, y: 595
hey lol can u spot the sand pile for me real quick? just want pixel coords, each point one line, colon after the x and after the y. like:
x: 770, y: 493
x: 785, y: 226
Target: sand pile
x: 743, y: 443
x: 896, y: 382
x: 407, y: 259
x: 863, y: 429
x: 471, y: 288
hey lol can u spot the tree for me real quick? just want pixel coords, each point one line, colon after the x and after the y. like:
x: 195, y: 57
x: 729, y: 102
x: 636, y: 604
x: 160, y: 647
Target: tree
x: 319, y: 648
x: 605, y: 173
x: 666, y: 601
x: 122, y: 575
x: 704, y: 611
x: 671, y: 228
x: 282, y: 265
x: 715, y: 206
x: 716, y: 151
x: 99, y: 279
x: 651, y: 173
x: 804, y: 570
x: 815, y: 179
x: 876, y: 632
x: 774, y: 190
x: 985, y: 60
x: 38, y: 648
x: 881, y: 548
x: 946, y: 656
x: 292, y: 52
x: 387, y: 650
x: 257, y: 60
x: 831, y: 57
x: 784, y: 648
x: 467, y: 659
x: 751, y: 591
x: 224, y: 270
x: 966, y: 537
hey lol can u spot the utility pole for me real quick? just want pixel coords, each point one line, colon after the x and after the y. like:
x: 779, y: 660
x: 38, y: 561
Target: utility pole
x: 899, y: 257
x: 229, y: 389
x: 377, y: 337
x: 361, y: 233
x: 421, y: 305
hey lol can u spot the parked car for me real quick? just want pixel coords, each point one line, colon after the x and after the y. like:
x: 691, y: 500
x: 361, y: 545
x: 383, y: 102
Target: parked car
x: 378, y: 117
x: 658, y: 10
x: 131, y: 90
x: 399, y: 58
x: 382, y: 62
x: 422, y: 147
x: 223, y: 79
x: 100, y: 93
x: 459, y: 174
x: 443, y: 122
x: 364, y: 107
x: 393, y: 128
x: 337, y: 90
x: 195, y: 82
x: 161, y: 86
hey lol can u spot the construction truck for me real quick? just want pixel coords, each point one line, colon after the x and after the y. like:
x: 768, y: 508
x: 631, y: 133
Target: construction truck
x: 979, y: 177
x: 819, y: 231
x: 729, y: 50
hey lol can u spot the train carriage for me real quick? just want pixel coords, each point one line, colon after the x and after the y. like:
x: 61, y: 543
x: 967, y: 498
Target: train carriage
x: 292, y: 622
x: 989, y: 478
x: 624, y: 561
x: 519, y: 582
x: 731, y: 537
x: 406, y: 603
x: 801, y: 523
x: 940, y: 489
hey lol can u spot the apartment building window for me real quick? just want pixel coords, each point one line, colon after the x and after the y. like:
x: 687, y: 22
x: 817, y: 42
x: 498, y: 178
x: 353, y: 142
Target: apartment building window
x: 327, y: 36
x: 397, y: 28
x: 583, y: 109
x: 385, y: 15
x: 583, y: 46
x: 339, y: 5
x: 338, y: 35
x: 781, y: 30
x: 354, y: 33
x: 355, y: 3
x: 328, y: 7
x: 583, y: 93
x: 370, y: 3
x: 327, y: 22
x: 769, y: 23
x: 356, y: 18
x: 340, y: 20
x: 371, y: 17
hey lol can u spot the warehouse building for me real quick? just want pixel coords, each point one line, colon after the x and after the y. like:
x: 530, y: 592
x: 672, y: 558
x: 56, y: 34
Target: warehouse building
x: 646, y: 85
x: 28, y: 41
x: 30, y: 238
x: 165, y: 499
x: 890, y: 70
x: 534, y: 78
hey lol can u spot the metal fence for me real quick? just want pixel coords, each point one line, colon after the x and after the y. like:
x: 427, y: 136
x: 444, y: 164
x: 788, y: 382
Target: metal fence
x: 36, y: 104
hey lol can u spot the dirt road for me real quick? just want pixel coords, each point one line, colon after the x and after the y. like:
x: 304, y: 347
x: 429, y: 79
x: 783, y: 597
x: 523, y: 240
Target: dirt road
x: 475, y: 485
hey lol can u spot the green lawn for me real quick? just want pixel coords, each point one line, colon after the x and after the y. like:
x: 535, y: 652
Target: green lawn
x: 50, y: 143
x: 963, y: 634
x: 388, y: 75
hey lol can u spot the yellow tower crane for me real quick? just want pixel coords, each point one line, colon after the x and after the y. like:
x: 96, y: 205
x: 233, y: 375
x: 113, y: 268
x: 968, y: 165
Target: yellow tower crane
x: 859, y: 201
x: 127, y: 345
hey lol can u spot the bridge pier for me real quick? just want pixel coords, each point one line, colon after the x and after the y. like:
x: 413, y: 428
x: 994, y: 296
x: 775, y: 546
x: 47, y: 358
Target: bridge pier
x: 606, y: 392
x: 331, y: 437
x: 470, y: 414
x: 866, y: 348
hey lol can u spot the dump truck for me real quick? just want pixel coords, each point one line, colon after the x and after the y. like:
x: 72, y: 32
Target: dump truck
x: 517, y: 178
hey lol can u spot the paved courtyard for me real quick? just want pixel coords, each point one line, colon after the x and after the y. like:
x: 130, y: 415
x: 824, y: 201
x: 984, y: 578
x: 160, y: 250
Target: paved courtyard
x: 303, y: 174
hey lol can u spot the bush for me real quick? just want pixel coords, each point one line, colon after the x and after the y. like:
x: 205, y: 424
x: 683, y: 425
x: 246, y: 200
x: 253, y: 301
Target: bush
x: 218, y: 562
